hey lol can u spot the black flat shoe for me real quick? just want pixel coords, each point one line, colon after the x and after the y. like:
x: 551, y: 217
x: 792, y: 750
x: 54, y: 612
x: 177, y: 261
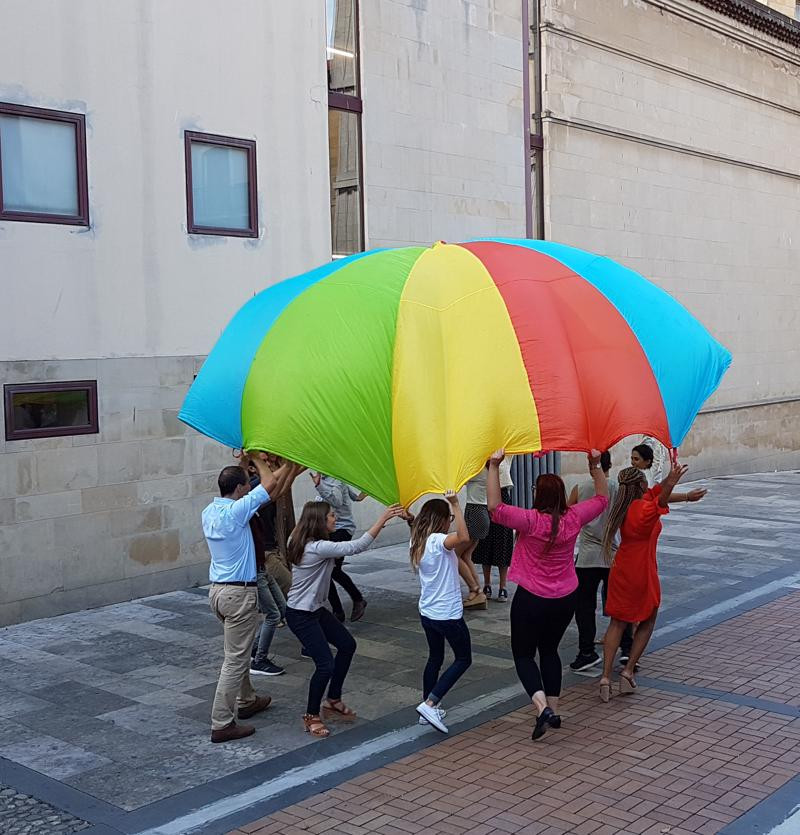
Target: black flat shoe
x: 545, y: 719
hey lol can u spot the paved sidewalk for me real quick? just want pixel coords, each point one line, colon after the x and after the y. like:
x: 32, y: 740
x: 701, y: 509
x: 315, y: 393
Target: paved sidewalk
x: 661, y: 761
x: 106, y: 712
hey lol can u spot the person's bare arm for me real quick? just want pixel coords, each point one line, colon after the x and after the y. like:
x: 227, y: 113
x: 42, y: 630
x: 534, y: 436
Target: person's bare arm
x: 279, y: 481
x: 676, y: 473
x: 597, y: 474
x: 494, y: 495
x: 461, y: 535
x: 693, y: 495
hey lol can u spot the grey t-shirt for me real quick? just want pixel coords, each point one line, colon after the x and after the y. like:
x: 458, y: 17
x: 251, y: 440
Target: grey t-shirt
x: 311, y: 579
x: 590, y: 542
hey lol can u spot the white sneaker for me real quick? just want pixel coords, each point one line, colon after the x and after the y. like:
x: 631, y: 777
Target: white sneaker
x: 431, y: 716
x: 440, y: 710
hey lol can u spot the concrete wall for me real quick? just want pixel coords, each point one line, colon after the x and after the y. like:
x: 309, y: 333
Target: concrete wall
x: 673, y: 145
x: 133, y: 301
x: 443, y: 149
x: 135, y: 284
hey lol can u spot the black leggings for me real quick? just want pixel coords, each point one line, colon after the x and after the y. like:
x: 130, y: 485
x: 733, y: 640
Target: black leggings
x: 316, y: 631
x: 537, y: 625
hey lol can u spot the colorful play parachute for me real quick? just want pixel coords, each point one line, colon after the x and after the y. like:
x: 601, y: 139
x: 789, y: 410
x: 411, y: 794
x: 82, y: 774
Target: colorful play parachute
x: 400, y: 370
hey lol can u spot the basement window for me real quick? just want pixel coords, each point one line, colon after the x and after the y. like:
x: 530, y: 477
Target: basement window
x: 49, y: 410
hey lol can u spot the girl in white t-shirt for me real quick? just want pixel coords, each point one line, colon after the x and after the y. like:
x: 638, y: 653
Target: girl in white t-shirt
x: 441, y: 610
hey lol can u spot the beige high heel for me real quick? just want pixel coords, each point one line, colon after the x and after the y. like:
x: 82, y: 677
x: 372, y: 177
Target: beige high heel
x: 477, y: 599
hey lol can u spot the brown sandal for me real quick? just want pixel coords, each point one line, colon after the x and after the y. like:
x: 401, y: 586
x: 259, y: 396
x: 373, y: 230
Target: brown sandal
x: 627, y: 686
x: 339, y: 708
x: 314, y: 725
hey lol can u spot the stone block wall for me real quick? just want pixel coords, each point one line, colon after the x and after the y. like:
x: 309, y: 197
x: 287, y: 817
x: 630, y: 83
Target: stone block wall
x: 88, y: 520
x: 673, y: 145
x: 442, y: 122
x: 91, y: 519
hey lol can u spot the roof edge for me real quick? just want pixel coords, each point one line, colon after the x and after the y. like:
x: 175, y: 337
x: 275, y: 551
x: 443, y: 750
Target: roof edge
x: 758, y: 16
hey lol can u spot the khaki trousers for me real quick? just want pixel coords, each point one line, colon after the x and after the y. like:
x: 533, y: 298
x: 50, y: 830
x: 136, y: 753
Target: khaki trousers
x: 276, y: 566
x: 237, y: 608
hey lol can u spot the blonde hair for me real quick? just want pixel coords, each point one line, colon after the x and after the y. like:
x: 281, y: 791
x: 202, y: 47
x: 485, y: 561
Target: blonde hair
x: 632, y: 485
x: 433, y: 518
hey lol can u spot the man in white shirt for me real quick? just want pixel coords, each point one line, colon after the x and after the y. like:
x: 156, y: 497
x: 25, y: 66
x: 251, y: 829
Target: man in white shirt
x: 233, y: 594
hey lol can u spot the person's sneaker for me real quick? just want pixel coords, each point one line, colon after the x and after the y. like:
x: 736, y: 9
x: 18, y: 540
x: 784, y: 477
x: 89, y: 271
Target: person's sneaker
x: 502, y: 596
x: 304, y: 655
x: 231, y: 732
x: 261, y: 703
x: 359, y: 607
x: 431, y: 716
x: 584, y: 661
x: 266, y: 668
x: 440, y: 710
x: 487, y: 590
x: 281, y: 623
x: 546, y: 719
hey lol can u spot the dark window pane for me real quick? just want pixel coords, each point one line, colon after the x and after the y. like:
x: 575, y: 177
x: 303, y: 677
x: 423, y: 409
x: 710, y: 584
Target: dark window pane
x: 43, y: 410
x: 345, y: 166
x: 47, y: 409
x: 342, y: 52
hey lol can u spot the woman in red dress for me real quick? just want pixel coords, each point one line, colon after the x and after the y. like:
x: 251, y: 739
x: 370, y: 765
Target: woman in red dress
x: 634, y: 592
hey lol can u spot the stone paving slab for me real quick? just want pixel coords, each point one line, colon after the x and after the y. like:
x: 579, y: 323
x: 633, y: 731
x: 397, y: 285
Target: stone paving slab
x: 655, y: 762
x: 123, y: 693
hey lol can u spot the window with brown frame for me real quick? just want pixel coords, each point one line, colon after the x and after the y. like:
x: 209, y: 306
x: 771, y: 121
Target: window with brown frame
x: 221, y: 193
x: 344, y: 128
x: 43, y: 165
x: 48, y: 410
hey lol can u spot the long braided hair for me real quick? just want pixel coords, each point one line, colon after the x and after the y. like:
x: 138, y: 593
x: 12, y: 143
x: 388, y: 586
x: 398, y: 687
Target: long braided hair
x: 632, y: 486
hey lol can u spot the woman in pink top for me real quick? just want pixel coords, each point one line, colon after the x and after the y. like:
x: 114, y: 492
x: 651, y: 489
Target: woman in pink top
x: 543, y: 567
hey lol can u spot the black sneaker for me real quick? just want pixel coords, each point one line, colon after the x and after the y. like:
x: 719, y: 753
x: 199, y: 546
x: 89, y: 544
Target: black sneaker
x: 584, y: 661
x: 502, y: 596
x: 266, y: 668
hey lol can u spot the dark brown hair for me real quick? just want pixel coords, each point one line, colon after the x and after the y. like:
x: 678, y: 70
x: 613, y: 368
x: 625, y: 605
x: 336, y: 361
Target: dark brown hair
x: 550, y: 496
x: 230, y: 478
x: 312, y: 526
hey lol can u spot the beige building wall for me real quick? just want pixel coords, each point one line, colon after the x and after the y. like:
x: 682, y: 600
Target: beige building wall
x: 443, y: 121
x: 673, y: 145
x: 786, y: 7
x: 134, y: 302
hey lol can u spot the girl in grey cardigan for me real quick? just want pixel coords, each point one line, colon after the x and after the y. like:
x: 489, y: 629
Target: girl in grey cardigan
x: 313, y: 556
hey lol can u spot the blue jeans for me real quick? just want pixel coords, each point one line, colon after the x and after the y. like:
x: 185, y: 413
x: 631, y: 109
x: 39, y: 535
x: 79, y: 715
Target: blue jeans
x: 315, y: 631
x: 272, y: 604
x: 456, y: 634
